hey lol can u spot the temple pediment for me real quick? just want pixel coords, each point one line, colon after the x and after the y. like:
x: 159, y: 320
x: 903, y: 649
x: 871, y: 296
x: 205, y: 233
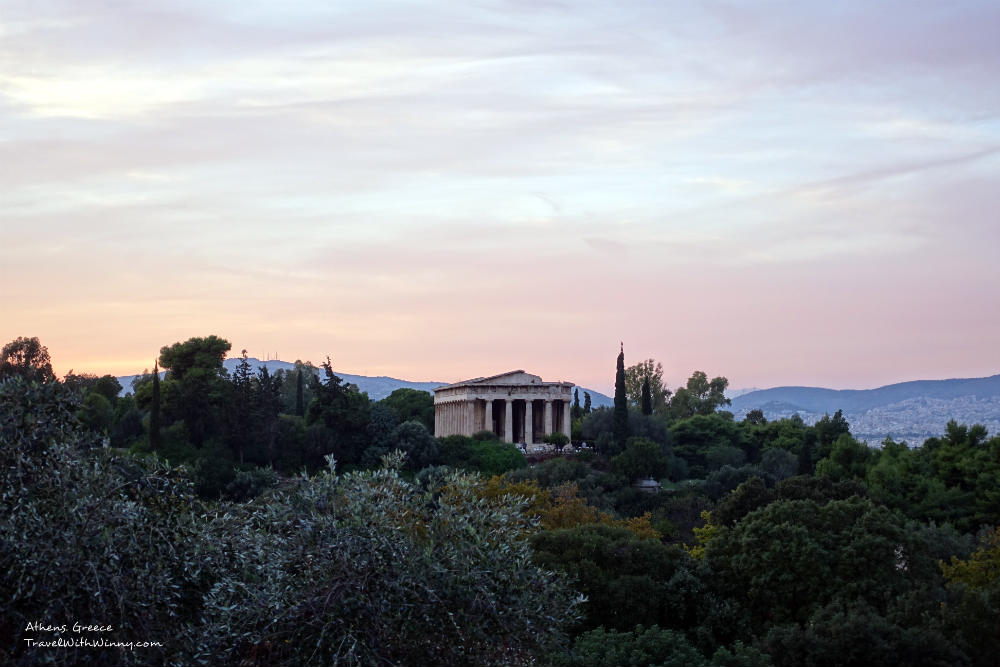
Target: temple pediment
x: 518, y: 377
x: 510, y: 377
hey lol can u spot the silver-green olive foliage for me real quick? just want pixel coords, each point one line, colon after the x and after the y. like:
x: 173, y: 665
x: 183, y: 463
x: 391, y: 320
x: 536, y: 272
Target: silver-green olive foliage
x: 367, y: 568
x: 90, y: 536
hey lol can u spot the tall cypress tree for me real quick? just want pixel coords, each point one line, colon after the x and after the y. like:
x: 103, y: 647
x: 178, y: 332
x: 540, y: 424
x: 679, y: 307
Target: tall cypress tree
x: 586, y: 403
x: 647, y: 399
x: 576, y: 411
x: 154, y: 411
x: 621, y: 403
x: 300, y: 408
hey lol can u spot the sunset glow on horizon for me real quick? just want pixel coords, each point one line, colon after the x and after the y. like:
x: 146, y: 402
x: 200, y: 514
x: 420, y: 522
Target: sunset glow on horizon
x: 785, y: 193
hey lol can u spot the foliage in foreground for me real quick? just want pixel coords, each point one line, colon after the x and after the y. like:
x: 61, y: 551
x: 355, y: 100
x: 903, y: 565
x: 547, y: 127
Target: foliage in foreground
x: 366, y: 568
x: 357, y: 569
x: 89, y: 536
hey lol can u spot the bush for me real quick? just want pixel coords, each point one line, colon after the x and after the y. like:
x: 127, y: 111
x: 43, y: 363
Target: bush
x: 642, y: 458
x: 416, y: 441
x: 853, y: 634
x: 555, y: 472
x: 91, y: 537
x: 127, y: 423
x: 641, y: 647
x: 725, y: 479
x: 725, y: 455
x: 624, y: 577
x: 489, y: 457
x: 740, y: 655
x: 248, y: 484
x: 496, y: 458
x: 362, y: 569
x: 779, y: 463
x: 598, y: 429
x: 213, y: 470
x: 557, y: 439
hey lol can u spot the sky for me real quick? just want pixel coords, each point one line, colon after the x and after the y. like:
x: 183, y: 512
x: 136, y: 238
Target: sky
x: 782, y: 193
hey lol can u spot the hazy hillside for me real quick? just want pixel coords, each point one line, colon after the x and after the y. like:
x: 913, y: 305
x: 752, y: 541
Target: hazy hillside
x: 377, y: 387
x: 911, y: 411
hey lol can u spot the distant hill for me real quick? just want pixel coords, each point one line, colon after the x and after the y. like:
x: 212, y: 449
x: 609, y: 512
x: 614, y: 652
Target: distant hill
x: 911, y: 411
x: 377, y: 387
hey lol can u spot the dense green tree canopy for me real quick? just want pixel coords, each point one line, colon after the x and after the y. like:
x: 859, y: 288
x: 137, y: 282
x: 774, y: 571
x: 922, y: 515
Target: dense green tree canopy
x: 195, y: 389
x: 598, y: 429
x: 486, y: 455
x: 642, y: 458
x: 26, y: 358
x: 413, y: 438
x: 700, y: 396
x: 412, y: 404
x: 641, y: 647
x: 106, y: 385
x: 344, y: 412
x: 626, y: 579
x: 204, y: 354
x: 699, y: 438
x: 792, y: 557
x: 651, y: 372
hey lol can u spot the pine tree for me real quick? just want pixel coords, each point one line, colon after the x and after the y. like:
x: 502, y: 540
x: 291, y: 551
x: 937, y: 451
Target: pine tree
x: 647, y: 399
x: 621, y: 403
x: 300, y: 408
x: 154, y: 411
x: 241, y: 407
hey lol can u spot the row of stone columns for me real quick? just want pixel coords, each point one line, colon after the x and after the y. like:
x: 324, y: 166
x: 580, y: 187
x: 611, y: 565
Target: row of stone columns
x: 529, y: 422
x: 455, y: 418
x: 460, y: 417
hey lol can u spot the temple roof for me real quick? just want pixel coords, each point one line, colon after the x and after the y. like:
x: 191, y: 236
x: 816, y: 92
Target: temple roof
x: 518, y: 377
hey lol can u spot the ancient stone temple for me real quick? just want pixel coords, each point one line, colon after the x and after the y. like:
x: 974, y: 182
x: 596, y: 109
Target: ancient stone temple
x: 517, y: 406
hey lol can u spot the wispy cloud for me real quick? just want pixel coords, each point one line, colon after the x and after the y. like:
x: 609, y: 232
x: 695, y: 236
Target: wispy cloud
x: 503, y: 183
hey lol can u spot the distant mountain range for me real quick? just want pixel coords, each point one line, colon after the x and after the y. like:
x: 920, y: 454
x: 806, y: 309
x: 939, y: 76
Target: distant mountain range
x: 377, y: 388
x: 910, y: 411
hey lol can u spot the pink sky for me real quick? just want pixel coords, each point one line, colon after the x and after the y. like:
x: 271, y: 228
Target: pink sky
x: 799, y: 195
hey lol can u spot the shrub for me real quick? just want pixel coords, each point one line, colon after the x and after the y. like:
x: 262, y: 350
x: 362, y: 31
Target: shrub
x: 642, y: 457
x: 413, y: 438
x: 362, y: 569
x: 625, y: 577
x: 641, y: 647
x: 557, y: 439
x: 93, y: 537
x: 488, y: 457
x: 248, y: 484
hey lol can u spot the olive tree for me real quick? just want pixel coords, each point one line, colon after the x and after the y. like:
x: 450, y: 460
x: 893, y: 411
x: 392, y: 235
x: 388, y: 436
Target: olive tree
x: 367, y: 568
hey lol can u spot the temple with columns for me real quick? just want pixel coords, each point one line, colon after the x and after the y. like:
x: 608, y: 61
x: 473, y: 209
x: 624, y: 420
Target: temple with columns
x: 515, y: 405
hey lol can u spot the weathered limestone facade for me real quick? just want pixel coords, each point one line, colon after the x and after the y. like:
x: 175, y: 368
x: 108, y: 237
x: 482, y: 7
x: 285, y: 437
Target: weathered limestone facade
x: 517, y: 406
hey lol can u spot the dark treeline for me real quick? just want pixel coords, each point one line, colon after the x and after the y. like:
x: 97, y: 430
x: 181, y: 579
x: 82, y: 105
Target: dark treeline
x: 287, y: 519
